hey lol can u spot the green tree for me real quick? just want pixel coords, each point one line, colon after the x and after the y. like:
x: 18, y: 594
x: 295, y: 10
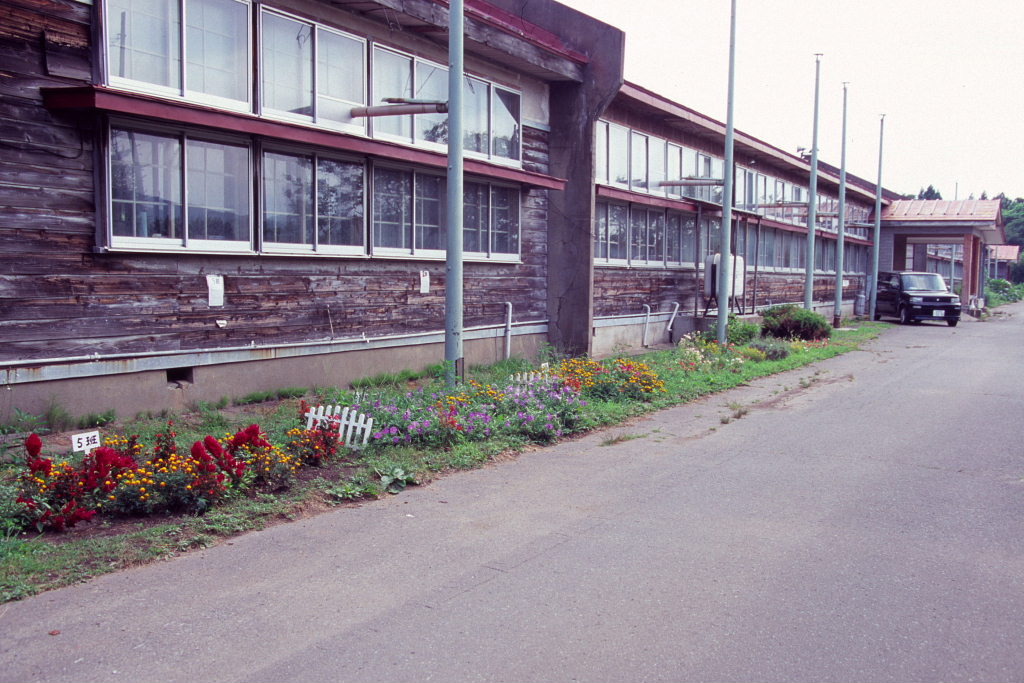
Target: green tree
x: 930, y: 193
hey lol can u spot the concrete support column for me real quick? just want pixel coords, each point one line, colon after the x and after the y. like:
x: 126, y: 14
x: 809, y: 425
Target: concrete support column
x: 575, y: 108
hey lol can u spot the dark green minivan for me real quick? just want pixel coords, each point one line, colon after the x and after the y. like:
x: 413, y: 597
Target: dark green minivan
x: 912, y: 297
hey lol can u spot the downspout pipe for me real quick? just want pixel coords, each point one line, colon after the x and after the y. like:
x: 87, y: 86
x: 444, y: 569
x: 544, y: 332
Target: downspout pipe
x: 647, y: 323
x: 508, y: 330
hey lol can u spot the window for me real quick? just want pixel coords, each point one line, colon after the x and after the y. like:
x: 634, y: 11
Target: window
x: 601, y: 152
x: 505, y: 125
x: 150, y: 206
x: 476, y: 104
x: 409, y: 214
x: 638, y: 162
x: 618, y: 155
x: 195, y: 48
x: 310, y: 73
x: 312, y: 203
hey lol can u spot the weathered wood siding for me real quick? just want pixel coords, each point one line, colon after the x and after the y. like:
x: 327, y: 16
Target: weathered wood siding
x: 60, y: 297
x: 624, y: 291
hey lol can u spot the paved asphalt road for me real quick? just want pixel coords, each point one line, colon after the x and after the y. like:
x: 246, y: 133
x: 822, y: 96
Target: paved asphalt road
x: 861, y: 523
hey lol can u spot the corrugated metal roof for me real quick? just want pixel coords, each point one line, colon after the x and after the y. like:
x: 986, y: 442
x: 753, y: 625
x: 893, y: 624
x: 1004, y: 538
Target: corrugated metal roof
x: 1006, y: 252
x: 933, y: 210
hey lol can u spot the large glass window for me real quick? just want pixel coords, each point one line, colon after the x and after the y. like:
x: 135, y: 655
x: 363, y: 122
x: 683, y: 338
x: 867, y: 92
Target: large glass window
x: 505, y: 124
x: 147, y: 196
x: 431, y: 84
x: 147, y: 48
x: 476, y: 105
x: 312, y: 203
x: 491, y: 220
x: 310, y: 73
x: 618, y: 155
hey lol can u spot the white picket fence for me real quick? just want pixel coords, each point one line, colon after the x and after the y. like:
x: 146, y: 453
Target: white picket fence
x: 354, y: 427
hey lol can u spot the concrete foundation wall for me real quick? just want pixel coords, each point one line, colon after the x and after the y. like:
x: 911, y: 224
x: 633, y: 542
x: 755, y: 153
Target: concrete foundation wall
x: 154, y: 391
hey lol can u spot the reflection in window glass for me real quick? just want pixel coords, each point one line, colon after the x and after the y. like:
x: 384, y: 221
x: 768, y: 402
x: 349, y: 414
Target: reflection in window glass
x: 145, y: 41
x: 689, y: 237
x: 655, y: 236
x: 339, y: 202
x: 288, y: 198
x: 392, y: 77
x: 287, y: 65
x: 145, y: 178
x: 431, y: 84
x: 218, y: 191
x: 505, y: 124
x: 638, y: 235
x: 601, y: 231
x: 475, y: 108
x: 618, y: 231
x: 504, y: 220
x: 618, y: 155
x: 429, y: 212
x: 392, y: 208
x: 475, y: 214
x: 341, y: 69
x: 217, y: 48
x: 673, y: 238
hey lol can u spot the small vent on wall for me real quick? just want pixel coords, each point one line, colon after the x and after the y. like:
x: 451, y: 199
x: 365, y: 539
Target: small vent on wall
x: 179, y: 376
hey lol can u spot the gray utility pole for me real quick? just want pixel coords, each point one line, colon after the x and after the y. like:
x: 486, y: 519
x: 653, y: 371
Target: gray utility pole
x: 837, y: 313
x: 877, y: 236
x: 453, y: 354
x: 812, y: 194
x: 725, y: 259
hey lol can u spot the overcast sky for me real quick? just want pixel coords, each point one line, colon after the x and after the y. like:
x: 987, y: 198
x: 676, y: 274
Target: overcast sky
x: 949, y: 76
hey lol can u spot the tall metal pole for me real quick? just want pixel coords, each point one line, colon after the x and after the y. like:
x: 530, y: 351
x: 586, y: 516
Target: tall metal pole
x: 725, y: 260
x: 812, y: 194
x: 877, y: 235
x: 837, y: 313
x: 453, y: 260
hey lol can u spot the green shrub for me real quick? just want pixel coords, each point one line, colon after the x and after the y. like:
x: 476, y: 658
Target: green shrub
x: 789, y: 321
x: 773, y: 349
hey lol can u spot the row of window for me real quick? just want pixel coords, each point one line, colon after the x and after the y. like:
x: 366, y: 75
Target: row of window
x: 174, y: 190
x: 640, y: 162
x: 202, y: 50
x: 637, y: 235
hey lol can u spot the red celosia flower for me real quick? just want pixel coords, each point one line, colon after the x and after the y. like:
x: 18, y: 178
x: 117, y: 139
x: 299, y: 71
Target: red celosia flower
x: 34, y: 445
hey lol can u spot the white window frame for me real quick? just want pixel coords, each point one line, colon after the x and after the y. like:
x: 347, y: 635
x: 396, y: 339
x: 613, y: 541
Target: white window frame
x: 185, y: 243
x: 315, y: 248
x: 181, y: 92
x: 355, y: 125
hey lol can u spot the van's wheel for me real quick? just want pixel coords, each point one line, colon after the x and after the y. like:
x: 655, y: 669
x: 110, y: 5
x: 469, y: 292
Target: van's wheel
x: 952, y: 323
x: 904, y: 315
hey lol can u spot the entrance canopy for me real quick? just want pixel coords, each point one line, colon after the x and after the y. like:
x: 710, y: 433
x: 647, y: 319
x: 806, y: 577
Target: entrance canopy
x: 910, y: 223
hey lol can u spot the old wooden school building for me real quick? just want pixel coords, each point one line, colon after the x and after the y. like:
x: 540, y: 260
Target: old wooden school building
x: 189, y: 209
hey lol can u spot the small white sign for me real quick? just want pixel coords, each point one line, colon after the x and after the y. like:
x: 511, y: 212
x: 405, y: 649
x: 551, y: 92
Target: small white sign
x: 215, y: 286
x: 424, y: 282
x: 86, y: 441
